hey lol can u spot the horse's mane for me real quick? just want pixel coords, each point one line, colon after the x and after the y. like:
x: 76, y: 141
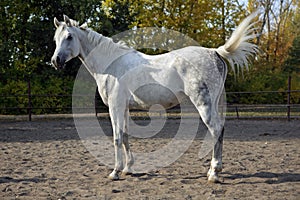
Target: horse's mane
x: 96, y: 38
x: 93, y: 36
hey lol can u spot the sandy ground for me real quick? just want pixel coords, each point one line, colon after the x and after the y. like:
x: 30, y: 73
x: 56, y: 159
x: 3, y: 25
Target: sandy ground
x: 45, y: 159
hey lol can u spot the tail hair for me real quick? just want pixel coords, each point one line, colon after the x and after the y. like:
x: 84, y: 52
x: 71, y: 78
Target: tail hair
x: 237, y: 50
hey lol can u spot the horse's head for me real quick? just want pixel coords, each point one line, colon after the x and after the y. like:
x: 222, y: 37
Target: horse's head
x: 67, y: 42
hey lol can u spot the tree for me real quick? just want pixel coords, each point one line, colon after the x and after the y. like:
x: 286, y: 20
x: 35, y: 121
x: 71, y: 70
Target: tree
x: 276, y: 30
x: 26, y: 43
x: 292, y: 64
x: 118, y: 17
x: 208, y: 22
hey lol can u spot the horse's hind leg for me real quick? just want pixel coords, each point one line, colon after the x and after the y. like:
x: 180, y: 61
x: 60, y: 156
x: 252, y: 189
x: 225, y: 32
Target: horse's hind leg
x: 209, y: 115
x: 213, y: 123
x: 216, y: 162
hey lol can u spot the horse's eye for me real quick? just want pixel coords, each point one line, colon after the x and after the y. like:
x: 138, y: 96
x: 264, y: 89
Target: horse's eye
x: 69, y: 37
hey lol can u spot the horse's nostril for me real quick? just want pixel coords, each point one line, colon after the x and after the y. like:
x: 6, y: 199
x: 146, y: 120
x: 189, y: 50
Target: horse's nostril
x: 57, y: 59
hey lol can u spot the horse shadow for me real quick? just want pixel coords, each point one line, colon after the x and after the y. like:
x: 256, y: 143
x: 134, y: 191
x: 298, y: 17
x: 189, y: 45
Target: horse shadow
x: 7, y: 179
x: 266, y: 177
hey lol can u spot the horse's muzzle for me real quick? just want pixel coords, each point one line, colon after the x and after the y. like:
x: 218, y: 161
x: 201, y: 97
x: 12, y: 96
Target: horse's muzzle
x: 58, y: 62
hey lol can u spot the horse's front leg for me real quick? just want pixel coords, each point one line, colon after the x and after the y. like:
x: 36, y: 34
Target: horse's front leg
x: 129, y: 160
x: 117, y: 120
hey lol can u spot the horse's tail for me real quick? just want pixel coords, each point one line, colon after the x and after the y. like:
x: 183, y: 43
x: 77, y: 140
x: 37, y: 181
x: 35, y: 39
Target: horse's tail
x: 237, y: 49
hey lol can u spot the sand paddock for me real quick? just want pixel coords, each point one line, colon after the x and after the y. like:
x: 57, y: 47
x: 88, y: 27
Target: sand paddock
x: 45, y: 159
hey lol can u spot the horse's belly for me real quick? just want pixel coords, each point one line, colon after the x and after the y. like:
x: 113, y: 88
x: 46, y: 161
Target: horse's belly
x: 148, y: 95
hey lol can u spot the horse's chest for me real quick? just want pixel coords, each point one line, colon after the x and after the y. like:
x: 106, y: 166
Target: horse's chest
x: 104, y: 87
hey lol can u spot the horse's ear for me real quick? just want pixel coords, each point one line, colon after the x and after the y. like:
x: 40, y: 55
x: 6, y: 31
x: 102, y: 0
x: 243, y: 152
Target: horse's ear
x: 67, y: 20
x: 56, y: 22
x: 84, y: 26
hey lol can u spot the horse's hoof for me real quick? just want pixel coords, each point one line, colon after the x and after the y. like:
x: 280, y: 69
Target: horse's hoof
x: 114, y: 176
x: 126, y: 172
x: 214, y: 178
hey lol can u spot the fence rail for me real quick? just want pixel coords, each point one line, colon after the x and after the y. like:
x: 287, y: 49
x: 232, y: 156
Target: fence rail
x: 235, y: 110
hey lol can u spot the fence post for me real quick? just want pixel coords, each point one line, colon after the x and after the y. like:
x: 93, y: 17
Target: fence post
x: 29, y: 100
x: 289, y: 99
x: 237, y: 112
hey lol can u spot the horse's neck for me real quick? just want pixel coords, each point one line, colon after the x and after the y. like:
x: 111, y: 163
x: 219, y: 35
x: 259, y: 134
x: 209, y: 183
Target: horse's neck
x: 98, y: 52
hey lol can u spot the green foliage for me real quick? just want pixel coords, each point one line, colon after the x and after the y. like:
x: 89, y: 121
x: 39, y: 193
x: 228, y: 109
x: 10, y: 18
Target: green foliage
x: 292, y: 64
x: 26, y: 47
x: 16, y: 97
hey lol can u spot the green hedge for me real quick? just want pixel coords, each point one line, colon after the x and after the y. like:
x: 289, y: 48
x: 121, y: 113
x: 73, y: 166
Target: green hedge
x: 48, y: 95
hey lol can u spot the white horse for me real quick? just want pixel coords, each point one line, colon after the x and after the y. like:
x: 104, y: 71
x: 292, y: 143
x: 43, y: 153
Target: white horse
x: 129, y: 79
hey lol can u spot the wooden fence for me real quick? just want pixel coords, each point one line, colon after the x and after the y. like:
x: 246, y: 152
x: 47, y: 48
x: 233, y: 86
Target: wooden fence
x: 236, y: 110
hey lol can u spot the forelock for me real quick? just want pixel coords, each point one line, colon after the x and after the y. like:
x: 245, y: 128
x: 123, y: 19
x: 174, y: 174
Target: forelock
x: 63, y: 25
x: 59, y: 30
